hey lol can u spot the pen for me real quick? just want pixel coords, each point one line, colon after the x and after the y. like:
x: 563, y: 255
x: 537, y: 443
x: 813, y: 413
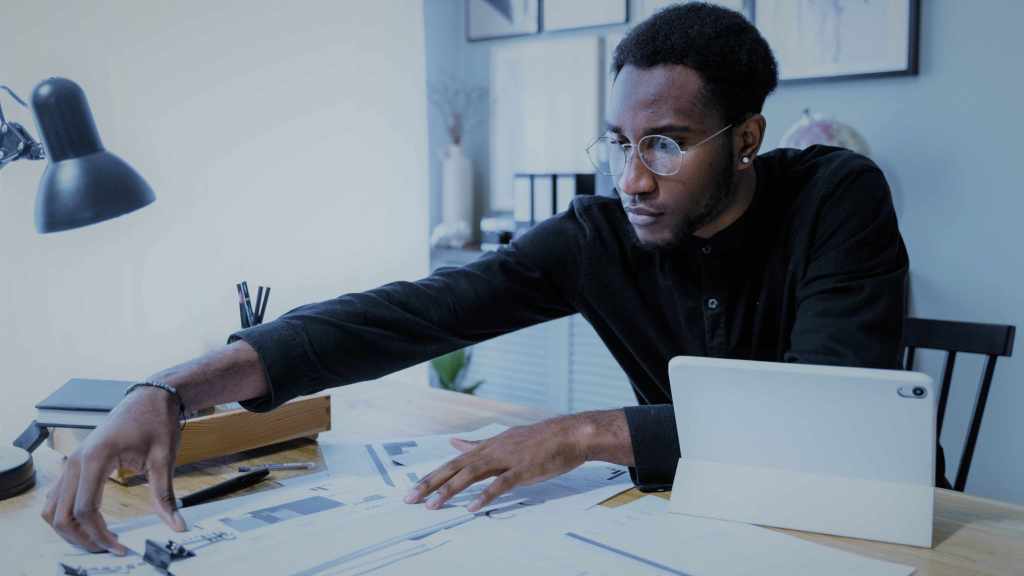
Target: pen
x: 259, y: 300
x: 248, y: 304
x: 224, y: 488
x: 263, y: 310
x: 281, y: 466
x: 241, y: 306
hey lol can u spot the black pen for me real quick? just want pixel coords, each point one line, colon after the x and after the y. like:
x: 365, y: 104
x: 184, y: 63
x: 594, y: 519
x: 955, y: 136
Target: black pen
x: 259, y: 300
x: 241, y: 306
x: 224, y: 488
x: 263, y: 309
x: 248, y: 304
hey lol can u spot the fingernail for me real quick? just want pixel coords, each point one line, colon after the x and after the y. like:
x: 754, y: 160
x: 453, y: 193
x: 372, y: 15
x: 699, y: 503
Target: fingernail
x: 475, y: 505
x: 410, y: 497
x: 434, y: 502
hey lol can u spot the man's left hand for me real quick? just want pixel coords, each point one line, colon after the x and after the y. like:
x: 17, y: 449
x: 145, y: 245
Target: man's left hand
x: 518, y: 456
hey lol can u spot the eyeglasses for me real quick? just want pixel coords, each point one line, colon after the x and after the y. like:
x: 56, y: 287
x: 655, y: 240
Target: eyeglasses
x: 660, y: 154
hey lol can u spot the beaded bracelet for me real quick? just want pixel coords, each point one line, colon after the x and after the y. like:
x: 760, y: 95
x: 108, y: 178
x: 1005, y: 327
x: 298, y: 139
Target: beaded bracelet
x: 166, y: 388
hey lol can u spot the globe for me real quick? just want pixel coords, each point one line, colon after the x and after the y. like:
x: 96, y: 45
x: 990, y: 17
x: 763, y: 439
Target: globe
x: 820, y: 129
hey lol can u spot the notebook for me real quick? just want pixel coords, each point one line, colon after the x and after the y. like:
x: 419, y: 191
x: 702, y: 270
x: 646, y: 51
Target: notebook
x: 80, y: 403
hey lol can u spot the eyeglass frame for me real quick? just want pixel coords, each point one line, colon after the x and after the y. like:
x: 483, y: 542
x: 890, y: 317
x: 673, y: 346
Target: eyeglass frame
x: 633, y: 147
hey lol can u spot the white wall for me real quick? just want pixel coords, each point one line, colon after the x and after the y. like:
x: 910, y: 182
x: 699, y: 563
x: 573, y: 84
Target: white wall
x: 286, y: 144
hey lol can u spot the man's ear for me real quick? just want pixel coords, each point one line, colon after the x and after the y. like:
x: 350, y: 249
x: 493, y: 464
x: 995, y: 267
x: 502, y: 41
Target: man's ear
x: 747, y: 138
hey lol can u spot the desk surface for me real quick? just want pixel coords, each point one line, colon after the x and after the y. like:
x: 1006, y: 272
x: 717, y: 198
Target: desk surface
x: 972, y: 535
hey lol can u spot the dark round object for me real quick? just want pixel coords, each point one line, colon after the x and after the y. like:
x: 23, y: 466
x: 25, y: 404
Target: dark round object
x: 918, y: 391
x: 16, y: 472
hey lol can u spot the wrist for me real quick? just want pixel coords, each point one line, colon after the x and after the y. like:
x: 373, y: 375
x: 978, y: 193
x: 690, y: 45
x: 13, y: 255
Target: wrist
x: 160, y: 388
x: 586, y: 434
x: 604, y: 435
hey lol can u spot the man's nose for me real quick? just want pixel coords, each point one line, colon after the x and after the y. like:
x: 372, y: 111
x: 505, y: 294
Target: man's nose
x: 636, y: 178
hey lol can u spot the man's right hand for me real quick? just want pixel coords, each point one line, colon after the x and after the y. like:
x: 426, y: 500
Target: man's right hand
x: 141, y: 433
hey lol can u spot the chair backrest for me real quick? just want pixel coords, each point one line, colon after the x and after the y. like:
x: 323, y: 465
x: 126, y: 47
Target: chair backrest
x: 992, y: 340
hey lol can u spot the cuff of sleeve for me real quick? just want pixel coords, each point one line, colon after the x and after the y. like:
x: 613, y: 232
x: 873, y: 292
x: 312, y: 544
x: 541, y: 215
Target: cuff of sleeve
x: 652, y: 430
x: 287, y: 365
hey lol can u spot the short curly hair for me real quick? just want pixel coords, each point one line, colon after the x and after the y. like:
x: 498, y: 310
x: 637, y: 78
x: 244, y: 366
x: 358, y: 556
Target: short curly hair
x: 733, y: 60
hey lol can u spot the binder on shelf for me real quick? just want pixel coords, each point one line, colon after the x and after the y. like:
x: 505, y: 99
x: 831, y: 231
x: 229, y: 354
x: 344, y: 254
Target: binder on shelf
x: 541, y: 196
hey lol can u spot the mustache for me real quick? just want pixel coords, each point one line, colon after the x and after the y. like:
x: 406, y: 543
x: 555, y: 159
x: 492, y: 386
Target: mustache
x: 630, y: 201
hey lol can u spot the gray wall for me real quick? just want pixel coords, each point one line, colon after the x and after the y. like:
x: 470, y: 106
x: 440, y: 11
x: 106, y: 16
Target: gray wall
x: 947, y: 140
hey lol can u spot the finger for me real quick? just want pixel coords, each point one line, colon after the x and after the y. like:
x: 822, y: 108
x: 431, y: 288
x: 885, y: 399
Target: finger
x: 501, y: 484
x: 435, y: 479
x: 64, y: 520
x: 464, y: 479
x: 50, y: 506
x: 87, y: 503
x: 464, y: 445
x: 160, y: 470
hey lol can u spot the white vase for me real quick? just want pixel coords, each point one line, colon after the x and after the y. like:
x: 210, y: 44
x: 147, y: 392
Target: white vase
x: 456, y: 227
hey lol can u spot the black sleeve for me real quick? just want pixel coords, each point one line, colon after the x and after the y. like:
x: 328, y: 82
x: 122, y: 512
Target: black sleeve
x: 363, y: 336
x: 851, y: 297
x: 652, y: 431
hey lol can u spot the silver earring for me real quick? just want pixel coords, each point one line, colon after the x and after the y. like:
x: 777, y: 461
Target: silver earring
x: 745, y: 160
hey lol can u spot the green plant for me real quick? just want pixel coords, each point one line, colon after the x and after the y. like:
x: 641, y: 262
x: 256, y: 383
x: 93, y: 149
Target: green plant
x: 451, y: 370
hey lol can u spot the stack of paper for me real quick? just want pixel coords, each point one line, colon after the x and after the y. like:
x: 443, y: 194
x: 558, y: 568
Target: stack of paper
x: 348, y: 524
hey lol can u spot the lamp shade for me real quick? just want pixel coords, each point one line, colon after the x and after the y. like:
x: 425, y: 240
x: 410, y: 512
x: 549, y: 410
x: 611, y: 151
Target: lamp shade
x: 83, y: 182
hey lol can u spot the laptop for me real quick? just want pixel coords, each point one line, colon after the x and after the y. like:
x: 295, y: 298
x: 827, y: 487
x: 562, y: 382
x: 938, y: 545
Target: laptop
x: 843, y: 451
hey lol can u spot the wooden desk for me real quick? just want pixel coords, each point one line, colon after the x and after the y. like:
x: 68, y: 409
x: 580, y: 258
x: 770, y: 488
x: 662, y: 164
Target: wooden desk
x: 972, y: 535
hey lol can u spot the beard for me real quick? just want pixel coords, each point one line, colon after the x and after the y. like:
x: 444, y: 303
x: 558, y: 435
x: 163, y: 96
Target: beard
x: 704, y: 209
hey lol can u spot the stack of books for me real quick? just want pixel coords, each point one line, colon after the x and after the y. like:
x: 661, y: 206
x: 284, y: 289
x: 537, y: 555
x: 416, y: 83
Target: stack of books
x: 81, y: 404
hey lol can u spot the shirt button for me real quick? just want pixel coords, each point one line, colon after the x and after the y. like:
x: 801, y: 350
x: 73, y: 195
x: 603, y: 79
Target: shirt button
x: 713, y: 303
x: 706, y: 250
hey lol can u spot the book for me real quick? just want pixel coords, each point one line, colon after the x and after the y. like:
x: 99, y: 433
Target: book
x: 81, y: 403
x: 227, y: 431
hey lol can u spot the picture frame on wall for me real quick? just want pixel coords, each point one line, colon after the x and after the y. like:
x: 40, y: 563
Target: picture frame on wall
x: 488, y: 19
x: 576, y: 14
x: 840, y: 39
x: 647, y: 8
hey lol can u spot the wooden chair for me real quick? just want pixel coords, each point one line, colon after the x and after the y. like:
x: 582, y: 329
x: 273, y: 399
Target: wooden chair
x: 992, y: 340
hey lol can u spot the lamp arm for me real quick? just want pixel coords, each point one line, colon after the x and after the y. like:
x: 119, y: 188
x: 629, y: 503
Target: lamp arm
x: 15, y: 141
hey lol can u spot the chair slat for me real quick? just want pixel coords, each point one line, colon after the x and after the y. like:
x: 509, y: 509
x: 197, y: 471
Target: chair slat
x: 947, y: 379
x: 966, y: 337
x: 972, y: 434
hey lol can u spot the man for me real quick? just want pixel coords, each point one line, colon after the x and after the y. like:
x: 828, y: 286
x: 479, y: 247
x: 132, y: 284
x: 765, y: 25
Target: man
x: 710, y: 250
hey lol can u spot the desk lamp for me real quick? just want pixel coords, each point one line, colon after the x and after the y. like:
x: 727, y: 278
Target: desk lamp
x: 82, y: 184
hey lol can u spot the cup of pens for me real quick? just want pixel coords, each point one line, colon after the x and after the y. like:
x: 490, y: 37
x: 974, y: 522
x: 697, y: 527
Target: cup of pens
x: 250, y: 315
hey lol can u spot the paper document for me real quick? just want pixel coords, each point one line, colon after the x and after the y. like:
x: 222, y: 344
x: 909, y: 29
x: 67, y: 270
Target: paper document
x: 342, y: 525
x: 646, y: 533
x: 399, y: 462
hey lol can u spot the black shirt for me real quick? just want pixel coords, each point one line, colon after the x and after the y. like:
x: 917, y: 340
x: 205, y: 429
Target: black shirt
x: 813, y: 272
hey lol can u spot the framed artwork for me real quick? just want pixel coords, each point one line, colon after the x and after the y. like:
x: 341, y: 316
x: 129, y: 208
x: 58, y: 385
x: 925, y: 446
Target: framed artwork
x: 486, y: 19
x: 816, y: 39
x: 573, y: 14
x: 647, y: 8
